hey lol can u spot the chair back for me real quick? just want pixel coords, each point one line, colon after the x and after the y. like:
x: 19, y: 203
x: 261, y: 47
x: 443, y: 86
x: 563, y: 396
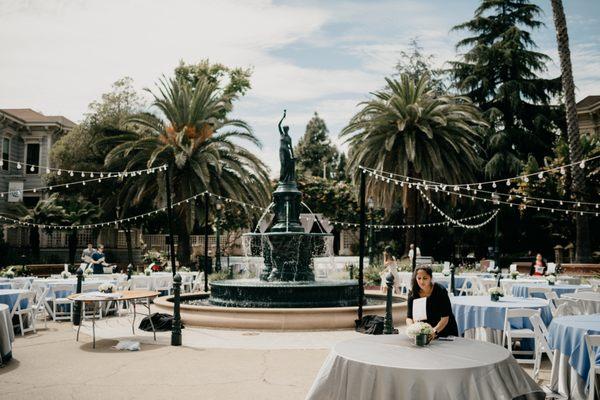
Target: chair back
x: 538, y: 325
x: 20, y: 284
x: 25, y: 296
x: 551, y: 268
x: 591, y: 342
x: 567, y: 307
x: 41, y: 295
x: 140, y: 282
x: 163, y: 283
x: 580, y: 290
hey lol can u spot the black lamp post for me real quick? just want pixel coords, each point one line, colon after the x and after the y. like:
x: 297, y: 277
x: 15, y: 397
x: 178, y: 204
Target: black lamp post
x: 371, y: 205
x: 219, y: 207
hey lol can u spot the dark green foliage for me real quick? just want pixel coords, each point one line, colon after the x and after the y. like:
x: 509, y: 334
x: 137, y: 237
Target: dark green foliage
x: 315, y: 151
x: 500, y: 72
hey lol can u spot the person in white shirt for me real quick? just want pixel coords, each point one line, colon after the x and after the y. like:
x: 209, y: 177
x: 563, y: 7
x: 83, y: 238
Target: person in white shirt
x: 411, y: 252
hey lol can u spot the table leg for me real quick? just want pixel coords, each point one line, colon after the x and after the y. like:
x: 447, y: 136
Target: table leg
x: 133, y: 323
x: 94, y: 325
x: 80, y: 320
x: 150, y: 318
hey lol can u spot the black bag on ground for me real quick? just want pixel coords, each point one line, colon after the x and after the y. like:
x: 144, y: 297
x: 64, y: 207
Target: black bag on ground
x: 161, y: 322
x: 371, y: 325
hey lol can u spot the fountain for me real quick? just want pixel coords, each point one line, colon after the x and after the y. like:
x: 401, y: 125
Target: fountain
x: 286, y: 295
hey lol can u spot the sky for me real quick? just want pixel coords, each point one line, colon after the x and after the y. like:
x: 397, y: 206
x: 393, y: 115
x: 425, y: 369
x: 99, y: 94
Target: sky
x: 57, y: 56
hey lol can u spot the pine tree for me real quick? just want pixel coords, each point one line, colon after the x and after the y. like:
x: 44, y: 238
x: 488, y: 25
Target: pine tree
x: 500, y: 72
x: 314, y: 151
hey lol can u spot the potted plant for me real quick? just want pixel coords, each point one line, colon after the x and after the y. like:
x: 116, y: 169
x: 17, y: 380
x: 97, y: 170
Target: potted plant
x: 10, y: 274
x: 148, y: 271
x: 420, y: 332
x: 514, y: 274
x: 496, y: 293
x: 551, y: 279
x: 65, y: 274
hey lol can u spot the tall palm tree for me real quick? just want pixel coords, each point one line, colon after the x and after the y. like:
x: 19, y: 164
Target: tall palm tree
x: 410, y: 130
x: 582, y: 246
x: 200, y: 147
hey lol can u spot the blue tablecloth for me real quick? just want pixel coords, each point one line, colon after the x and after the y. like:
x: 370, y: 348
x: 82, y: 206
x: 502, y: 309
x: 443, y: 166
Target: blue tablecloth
x: 480, y: 312
x: 567, y: 335
x: 5, y: 285
x: 522, y: 289
x: 445, y: 282
x: 9, y: 297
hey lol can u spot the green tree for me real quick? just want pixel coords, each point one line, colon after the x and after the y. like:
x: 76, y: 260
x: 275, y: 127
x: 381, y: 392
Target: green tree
x: 78, y: 211
x: 415, y: 63
x: 199, y: 146
x: 408, y: 129
x: 578, y: 184
x: 314, y: 151
x: 500, y: 73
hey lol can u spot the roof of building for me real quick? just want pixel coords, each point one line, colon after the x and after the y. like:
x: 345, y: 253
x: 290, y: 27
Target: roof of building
x: 588, y: 102
x: 29, y: 116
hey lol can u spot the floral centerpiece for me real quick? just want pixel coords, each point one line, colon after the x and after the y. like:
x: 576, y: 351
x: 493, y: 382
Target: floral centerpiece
x: 495, y: 293
x: 420, y: 332
x: 184, y: 269
x: 89, y: 271
x: 514, y: 274
x: 106, y: 288
x: 9, y: 273
x: 65, y: 274
x: 155, y: 259
x: 551, y: 279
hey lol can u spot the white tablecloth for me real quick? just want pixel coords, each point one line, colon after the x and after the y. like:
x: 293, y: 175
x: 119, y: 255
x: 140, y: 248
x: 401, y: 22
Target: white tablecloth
x: 390, y: 367
x: 588, y: 301
x: 6, y: 333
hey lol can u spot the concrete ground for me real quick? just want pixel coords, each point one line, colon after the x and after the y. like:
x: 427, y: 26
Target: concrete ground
x: 211, y: 364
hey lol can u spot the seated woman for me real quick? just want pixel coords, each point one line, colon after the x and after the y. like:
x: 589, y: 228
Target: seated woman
x: 438, y: 309
x: 538, y: 267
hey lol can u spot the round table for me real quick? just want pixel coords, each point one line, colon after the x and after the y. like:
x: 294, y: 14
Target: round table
x: 522, y: 289
x: 571, y: 359
x: 588, y: 301
x: 6, y: 334
x: 95, y: 298
x: 479, y: 316
x: 10, y: 296
x: 391, y: 367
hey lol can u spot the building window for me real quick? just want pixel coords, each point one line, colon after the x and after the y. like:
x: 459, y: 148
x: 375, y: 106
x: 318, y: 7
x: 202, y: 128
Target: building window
x: 33, y: 158
x: 5, y: 152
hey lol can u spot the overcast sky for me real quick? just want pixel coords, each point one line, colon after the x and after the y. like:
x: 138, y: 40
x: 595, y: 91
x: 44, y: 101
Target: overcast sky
x: 57, y: 56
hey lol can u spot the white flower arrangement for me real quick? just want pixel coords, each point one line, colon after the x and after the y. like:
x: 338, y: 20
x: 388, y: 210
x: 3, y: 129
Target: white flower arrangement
x: 551, y: 278
x: 496, y: 291
x: 89, y: 271
x: 9, y: 274
x: 65, y: 274
x: 514, y: 274
x: 446, y: 272
x: 106, y: 288
x: 419, y: 328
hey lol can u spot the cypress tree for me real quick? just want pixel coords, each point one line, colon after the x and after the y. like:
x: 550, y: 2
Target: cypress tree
x: 314, y: 150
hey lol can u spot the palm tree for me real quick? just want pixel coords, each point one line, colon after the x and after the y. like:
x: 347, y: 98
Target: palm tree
x: 199, y: 146
x: 408, y: 129
x: 582, y: 247
x: 46, y: 212
x: 78, y: 211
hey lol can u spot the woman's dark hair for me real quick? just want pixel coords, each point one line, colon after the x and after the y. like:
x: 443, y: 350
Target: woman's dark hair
x: 414, y: 285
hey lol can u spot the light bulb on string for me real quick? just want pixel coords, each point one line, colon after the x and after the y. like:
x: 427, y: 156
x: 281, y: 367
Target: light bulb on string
x: 562, y: 170
x: 508, y: 182
x: 494, y: 185
x: 540, y: 175
x: 32, y: 168
x: 47, y: 170
x: 582, y: 165
x: 71, y: 173
x: 18, y: 165
x: 479, y: 186
x: 526, y: 179
x: 83, y: 175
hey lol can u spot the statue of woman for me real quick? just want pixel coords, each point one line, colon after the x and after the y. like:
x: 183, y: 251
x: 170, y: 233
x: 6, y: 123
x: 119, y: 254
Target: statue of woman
x: 287, y: 172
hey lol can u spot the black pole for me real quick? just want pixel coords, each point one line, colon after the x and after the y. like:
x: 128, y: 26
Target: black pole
x: 496, y: 247
x: 416, y: 201
x: 206, y: 261
x: 361, y: 248
x: 452, y: 283
x: 218, y: 241
x: 77, y: 304
x: 176, y: 327
x: 370, y: 238
x: 388, y: 325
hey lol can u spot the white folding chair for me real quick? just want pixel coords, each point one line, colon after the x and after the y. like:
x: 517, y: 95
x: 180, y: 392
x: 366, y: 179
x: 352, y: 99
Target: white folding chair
x: 41, y: 307
x: 541, y: 290
x: 468, y: 286
x: 20, y: 284
x: 59, y: 303
x: 591, y: 342
x: 566, y: 307
x: 541, y: 343
x: 88, y: 308
x: 595, y: 284
x: 511, y: 334
x: 187, y: 282
x: 580, y: 290
x: 141, y: 282
x: 26, y: 312
x: 164, y: 284
x: 551, y: 297
x: 199, y: 282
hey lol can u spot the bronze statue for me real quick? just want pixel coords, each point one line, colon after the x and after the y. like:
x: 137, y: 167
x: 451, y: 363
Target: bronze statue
x: 287, y: 173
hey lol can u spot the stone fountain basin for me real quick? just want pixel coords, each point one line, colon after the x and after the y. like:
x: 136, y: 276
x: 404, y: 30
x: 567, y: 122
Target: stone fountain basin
x: 273, y: 319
